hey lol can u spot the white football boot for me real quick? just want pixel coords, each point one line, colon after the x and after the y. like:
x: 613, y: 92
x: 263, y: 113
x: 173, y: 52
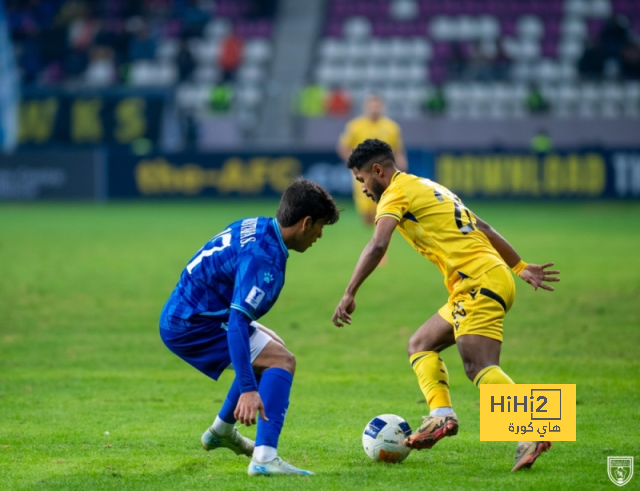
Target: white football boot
x: 274, y: 468
x: 235, y: 441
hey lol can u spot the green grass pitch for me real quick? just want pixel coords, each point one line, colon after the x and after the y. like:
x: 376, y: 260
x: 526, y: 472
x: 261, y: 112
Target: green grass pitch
x: 81, y: 288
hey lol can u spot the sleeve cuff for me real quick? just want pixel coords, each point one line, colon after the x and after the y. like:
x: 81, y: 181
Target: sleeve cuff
x: 243, y: 310
x: 382, y: 215
x: 519, y: 268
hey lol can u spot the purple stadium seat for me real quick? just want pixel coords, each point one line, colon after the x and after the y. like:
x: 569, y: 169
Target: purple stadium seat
x: 594, y: 27
x: 550, y: 49
x: 441, y: 50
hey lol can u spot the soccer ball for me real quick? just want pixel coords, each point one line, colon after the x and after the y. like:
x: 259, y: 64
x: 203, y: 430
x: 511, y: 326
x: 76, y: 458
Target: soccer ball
x: 383, y: 438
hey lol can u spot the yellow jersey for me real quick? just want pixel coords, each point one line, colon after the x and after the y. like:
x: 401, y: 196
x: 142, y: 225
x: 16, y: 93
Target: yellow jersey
x: 362, y: 128
x: 436, y: 223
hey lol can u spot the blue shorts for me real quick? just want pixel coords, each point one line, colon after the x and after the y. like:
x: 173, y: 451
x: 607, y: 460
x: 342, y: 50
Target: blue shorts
x: 206, y: 347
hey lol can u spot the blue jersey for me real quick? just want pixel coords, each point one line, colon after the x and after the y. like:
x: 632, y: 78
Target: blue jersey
x: 241, y: 268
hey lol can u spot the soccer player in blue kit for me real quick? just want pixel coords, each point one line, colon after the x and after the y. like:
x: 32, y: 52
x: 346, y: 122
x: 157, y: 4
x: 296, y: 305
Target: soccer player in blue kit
x: 210, y: 320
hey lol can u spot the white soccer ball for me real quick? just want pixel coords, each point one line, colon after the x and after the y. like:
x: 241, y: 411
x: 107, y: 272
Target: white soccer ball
x: 383, y: 438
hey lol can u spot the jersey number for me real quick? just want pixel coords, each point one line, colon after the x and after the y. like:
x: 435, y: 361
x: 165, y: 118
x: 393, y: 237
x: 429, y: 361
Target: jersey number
x: 225, y: 236
x: 457, y: 205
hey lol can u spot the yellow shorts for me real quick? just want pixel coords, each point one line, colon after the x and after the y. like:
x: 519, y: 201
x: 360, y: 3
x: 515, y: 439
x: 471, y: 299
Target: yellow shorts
x: 478, y: 305
x: 364, y: 204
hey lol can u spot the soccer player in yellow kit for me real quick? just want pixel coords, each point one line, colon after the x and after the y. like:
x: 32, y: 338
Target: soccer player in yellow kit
x: 475, y: 262
x: 372, y: 124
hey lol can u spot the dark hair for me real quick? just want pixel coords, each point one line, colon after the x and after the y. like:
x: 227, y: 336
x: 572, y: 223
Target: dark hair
x: 370, y: 150
x: 304, y: 198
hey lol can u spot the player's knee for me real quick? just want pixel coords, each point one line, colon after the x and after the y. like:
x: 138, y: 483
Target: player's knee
x: 472, y: 369
x: 290, y: 362
x: 286, y: 360
x: 418, y: 343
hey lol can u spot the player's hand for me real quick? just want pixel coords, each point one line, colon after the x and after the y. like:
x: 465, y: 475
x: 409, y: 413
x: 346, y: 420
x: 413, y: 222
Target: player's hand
x: 536, y: 275
x: 344, y: 310
x: 248, y: 405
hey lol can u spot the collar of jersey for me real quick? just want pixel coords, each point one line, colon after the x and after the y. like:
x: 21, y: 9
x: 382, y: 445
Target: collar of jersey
x: 274, y: 222
x: 393, y: 178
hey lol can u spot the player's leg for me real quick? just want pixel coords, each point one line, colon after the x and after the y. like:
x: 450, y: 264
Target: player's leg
x: 223, y: 432
x: 479, y: 341
x: 276, y: 366
x: 424, y: 349
x: 481, y: 358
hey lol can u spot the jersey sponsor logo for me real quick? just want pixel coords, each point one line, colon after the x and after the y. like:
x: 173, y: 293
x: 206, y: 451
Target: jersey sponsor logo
x: 255, y: 297
x: 268, y: 277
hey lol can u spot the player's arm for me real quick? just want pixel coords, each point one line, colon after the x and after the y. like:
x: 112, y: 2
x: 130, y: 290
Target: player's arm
x: 240, y: 351
x: 369, y: 260
x: 399, y: 152
x: 534, y: 274
x: 400, y: 156
x: 344, y: 148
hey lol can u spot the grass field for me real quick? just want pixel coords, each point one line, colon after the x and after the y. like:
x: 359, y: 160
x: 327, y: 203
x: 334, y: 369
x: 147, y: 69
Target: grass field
x: 82, y: 286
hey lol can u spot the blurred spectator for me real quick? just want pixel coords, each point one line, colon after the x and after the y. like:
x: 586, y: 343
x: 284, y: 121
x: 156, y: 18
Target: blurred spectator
x: 536, y: 103
x: 631, y: 62
x: 231, y: 52
x: 591, y: 63
x: 457, y: 61
x: 30, y: 59
x: 220, y: 98
x: 312, y: 101
x: 262, y: 9
x: 70, y: 11
x: 435, y: 103
x: 185, y: 61
x: 501, y: 64
x: 614, y: 36
x: 143, y: 46
x: 194, y: 19
x: 541, y: 142
x: 101, y: 71
x: 338, y: 103
x: 113, y: 34
x: 478, y: 64
x: 83, y: 30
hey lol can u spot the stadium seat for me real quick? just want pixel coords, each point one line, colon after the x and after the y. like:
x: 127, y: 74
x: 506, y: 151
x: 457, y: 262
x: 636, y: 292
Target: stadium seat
x: 217, y: 28
x: 206, y: 74
x: 167, y: 49
x: 403, y: 9
x: 574, y: 28
x: 488, y: 27
x: 357, y: 28
x: 530, y: 27
x: 257, y: 50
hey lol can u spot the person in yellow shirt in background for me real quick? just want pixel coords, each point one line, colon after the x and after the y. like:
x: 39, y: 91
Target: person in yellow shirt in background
x: 372, y: 124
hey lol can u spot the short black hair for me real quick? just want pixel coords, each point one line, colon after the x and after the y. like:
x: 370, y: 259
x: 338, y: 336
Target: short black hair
x: 304, y: 198
x: 370, y: 150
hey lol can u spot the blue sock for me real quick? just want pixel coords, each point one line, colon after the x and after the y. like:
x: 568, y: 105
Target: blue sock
x: 274, y: 390
x: 230, y: 403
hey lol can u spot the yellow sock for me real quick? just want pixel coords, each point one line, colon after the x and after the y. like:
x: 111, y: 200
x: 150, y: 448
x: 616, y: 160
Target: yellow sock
x: 432, y: 378
x: 492, y: 374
